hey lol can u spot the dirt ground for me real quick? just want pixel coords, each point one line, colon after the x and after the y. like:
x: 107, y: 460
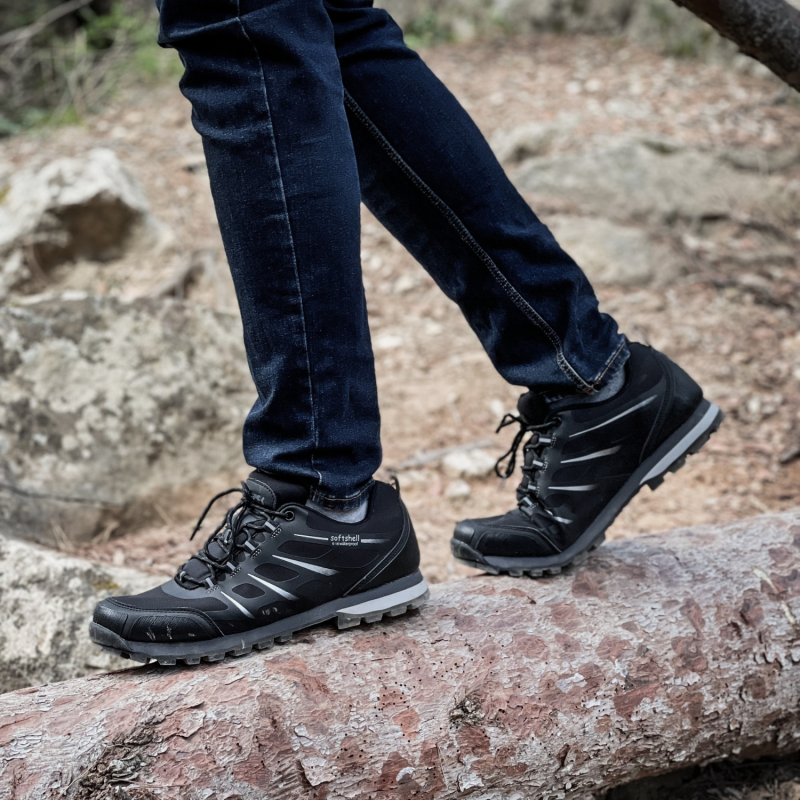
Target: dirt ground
x: 437, y: 388
x: 739, y: 337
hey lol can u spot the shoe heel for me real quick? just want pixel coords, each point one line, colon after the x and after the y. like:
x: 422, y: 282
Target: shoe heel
x: 392, y: 605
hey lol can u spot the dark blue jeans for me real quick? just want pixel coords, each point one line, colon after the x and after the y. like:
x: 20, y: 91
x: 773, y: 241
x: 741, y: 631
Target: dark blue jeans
x: 306, y: 107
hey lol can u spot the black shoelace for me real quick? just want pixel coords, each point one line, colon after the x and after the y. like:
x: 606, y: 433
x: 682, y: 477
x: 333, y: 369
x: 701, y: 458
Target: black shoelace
x: 249, y: 518
x: 534, y: 459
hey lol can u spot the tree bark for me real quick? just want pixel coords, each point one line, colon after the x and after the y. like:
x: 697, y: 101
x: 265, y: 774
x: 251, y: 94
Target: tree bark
x: 767, y: 30
x: 659, y: 652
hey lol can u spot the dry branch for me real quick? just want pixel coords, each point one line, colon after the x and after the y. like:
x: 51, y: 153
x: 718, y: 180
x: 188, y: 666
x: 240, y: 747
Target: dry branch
x: 20, y: 35
x: 659, y: 652
x: 767, y: 30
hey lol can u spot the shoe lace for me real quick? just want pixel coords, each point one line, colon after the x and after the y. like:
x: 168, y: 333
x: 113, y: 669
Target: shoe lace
x: 249, y: 517
x: 534, y: 459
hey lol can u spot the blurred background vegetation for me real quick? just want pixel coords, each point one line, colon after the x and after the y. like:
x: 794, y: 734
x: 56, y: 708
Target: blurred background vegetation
x: 61, y: 61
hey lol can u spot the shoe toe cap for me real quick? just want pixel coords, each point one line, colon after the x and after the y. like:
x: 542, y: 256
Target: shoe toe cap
x: 153, y: 625
x: 110, y: 616
x: 464, y: 531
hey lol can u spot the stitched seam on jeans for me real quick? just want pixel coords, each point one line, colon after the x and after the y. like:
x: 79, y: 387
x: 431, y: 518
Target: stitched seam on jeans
x: 314, y: 434
x: 463, y: 232
x: 608, y: 365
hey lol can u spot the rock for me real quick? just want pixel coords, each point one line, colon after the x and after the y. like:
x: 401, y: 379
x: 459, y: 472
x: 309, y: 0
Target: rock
x: 756, y: 159
x: 73, y: 208
x: 406, y: 283
x: 457, y: 490
x: 468, y: 464
x: 614, y: 254
x: 634, y: 181
x: 524, y: 141
x: 388, y: 341
x: 416, y: 477
x: 46, y: 602
x: 106, y: 401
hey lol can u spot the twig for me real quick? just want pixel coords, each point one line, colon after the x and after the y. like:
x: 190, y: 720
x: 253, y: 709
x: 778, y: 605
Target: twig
x: 167, y: 519
x: 63, y: 542
x: 105, y: 534
x: 21, y: 35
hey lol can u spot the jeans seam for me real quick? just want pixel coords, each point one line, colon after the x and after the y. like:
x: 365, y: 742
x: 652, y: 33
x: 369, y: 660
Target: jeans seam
x: 314, y: 433
x: 609, y: 363
x: 455, y: 222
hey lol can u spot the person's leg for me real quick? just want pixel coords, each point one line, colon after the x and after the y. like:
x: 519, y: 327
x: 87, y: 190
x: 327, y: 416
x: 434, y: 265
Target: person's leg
x: 266, y: 93
x: 603, y: 418
x: 429, y: 176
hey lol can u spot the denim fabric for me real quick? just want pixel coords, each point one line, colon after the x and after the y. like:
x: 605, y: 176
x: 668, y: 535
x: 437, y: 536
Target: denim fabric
x: 304, y: 109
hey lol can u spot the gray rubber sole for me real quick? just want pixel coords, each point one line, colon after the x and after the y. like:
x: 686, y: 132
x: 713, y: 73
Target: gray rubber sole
x: 670, y: 457
x: 391, y: 600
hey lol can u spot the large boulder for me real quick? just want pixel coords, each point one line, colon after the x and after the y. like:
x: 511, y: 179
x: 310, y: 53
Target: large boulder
x: 46, y: 602
x: 652, y: 182
x: 614, y: 254
x: 105, y: 401
x: 87, y: 208
x: 525, y: 141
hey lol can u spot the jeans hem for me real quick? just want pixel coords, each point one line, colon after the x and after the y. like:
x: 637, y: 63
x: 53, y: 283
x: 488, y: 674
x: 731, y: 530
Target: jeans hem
x: 340, y: 503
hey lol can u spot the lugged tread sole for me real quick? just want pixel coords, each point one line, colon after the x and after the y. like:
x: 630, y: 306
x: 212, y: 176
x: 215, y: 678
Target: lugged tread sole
x: 113, y: 643
x: 479, y: 562
x: 519, y: 572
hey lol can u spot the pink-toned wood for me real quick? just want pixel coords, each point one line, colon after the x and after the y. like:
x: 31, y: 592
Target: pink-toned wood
x: 659, y: 652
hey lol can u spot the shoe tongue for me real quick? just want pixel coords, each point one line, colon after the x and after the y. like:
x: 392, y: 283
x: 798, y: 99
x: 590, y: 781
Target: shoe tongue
x: 533, y: 408
x: 274, y: 492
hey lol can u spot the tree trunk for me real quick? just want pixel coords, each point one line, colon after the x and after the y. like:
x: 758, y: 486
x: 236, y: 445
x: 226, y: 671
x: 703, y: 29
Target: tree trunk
x: 767, y: 30
x: 659, y: 652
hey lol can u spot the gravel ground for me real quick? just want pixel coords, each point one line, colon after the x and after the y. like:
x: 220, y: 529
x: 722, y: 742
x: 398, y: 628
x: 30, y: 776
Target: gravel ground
x: 437, y: 389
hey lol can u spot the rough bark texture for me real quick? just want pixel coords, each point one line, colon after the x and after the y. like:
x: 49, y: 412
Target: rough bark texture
x: 46, y: 603
x: 767, y: 30
x: 660, y: 651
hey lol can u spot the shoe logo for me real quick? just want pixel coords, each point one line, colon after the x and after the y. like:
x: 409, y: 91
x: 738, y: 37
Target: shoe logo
x: 345, y: 539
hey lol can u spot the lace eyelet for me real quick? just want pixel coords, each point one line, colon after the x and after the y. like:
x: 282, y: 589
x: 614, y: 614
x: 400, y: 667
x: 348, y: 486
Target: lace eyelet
x: 289, y: 516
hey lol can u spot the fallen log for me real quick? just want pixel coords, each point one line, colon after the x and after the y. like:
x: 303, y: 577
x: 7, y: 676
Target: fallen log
x: 658, y: 652
x: 46, y: 602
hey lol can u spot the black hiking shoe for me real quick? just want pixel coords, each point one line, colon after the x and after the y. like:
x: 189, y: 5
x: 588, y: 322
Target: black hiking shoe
x: 584, y: 462
x: 272, y: 567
